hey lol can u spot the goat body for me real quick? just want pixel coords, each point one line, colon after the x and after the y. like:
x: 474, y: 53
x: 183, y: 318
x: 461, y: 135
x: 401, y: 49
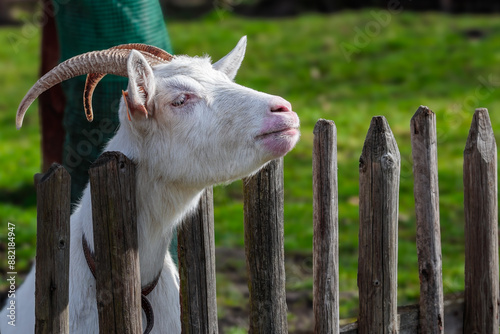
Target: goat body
x: 187, y: 126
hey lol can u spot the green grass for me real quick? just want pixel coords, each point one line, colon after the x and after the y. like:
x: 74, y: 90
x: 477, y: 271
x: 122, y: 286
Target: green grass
x: 418, y: 58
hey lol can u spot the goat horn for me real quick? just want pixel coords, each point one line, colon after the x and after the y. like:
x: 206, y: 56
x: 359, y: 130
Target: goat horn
x: 90, y: 85
x: 107, y: 61
x: 152, y: 50
x: 152, y: 54
x: 111, y: 61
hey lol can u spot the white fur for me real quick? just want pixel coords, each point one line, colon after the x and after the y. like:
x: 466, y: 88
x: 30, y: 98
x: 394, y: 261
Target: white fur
x: 215, y: 136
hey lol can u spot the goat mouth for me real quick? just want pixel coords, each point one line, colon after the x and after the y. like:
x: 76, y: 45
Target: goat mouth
x: 291, y: 131
x: 279, y: 142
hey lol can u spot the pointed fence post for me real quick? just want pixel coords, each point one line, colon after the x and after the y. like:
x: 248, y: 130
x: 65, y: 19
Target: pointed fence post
x: 379, y: 170
x: 52, y: 252
x: 264, y: 247
x: 325, y: 239
x: 426, y: 193
x: 196, y: 250
x: 481, y: 227
x: 118, y: 282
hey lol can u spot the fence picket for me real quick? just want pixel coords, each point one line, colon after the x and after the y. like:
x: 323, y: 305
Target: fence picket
x: 196, y: 251
x: 426, y: 193
x: 325, y: 238
x: 52, y: 252
x: 264, y: 248
x: 379, y: 170
x: 118, y: 283
x: 481, y: 227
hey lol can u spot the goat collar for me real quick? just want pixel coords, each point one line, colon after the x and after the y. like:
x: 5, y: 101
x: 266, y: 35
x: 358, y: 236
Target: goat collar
x: 145, y: 304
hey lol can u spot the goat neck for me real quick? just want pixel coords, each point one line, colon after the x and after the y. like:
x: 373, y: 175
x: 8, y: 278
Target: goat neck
x: 161, y: 202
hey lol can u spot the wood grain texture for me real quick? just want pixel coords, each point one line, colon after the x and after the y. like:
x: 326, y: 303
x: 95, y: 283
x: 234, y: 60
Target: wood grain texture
x: 426, y: 193
x: 264, y: 247
x: 379, y: 171
x: 196, y: 250
x: 52, y: 252
x: 118, y: 284
x: 325, y: 238
x: 481, y: 227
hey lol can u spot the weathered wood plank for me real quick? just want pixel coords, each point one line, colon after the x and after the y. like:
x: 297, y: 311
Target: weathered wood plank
x: 52, y: 252
x: 264, y: 247
x: 481, y: 227
x: 426, y: 193
x: 118, y: 284
x: 379, y: 171
x: 325, y: 239
x: 196, y: 249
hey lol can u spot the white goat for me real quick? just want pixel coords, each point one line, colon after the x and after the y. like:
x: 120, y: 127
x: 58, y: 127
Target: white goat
x: 187, y: 126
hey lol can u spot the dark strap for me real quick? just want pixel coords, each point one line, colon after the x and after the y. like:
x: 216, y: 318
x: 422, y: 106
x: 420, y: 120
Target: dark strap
x: 145, y: 304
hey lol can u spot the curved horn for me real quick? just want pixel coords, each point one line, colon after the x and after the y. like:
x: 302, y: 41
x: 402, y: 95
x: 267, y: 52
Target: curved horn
x: 151, y: 50
x: 153, y: 54
x: 90, y: 85
x: 110, y: 61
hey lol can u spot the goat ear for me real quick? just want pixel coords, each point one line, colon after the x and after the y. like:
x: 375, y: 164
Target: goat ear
x: 231, y: 62
x: 141, y: 85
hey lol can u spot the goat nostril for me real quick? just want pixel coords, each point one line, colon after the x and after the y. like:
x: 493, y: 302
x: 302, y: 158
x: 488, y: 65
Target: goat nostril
x: 281, y: 106
x: 279, y: 109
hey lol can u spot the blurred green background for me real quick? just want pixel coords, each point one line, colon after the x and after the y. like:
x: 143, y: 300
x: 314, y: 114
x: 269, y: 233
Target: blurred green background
x: 346, y: 66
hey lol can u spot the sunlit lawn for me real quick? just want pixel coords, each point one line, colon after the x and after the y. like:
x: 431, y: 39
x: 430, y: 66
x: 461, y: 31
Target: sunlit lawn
x: 416, y: 58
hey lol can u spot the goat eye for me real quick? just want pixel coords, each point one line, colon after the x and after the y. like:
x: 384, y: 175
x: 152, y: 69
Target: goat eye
x: 179, y: 101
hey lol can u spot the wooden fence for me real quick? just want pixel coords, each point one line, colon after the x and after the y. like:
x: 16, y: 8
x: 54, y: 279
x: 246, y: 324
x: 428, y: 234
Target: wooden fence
x: 114, y: 224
